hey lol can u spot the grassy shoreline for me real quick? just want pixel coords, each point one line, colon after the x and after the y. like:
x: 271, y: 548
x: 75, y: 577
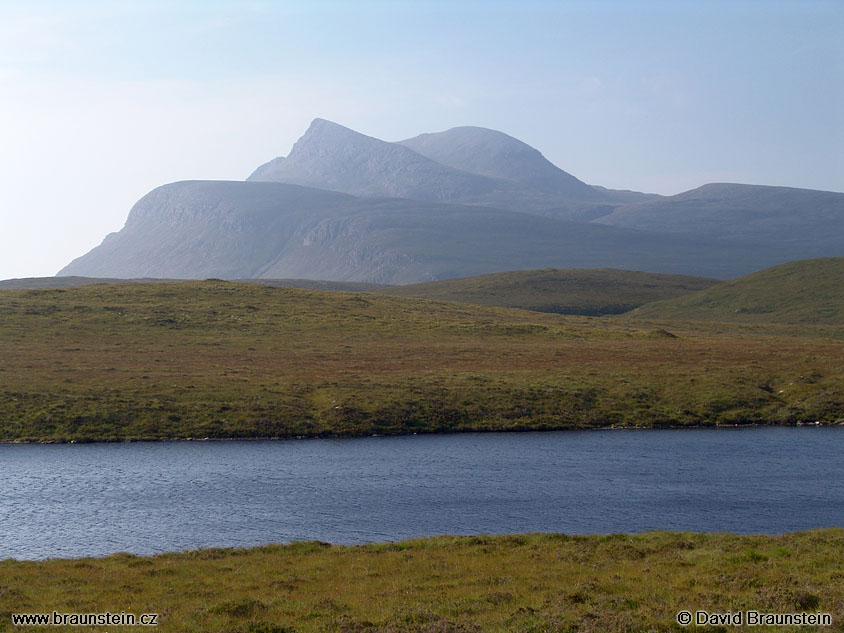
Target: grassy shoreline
x: 523, y: 582
x: 447, y: 432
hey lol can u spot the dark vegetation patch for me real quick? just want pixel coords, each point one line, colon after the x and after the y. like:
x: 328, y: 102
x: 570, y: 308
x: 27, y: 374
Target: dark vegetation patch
x: 585, y: 292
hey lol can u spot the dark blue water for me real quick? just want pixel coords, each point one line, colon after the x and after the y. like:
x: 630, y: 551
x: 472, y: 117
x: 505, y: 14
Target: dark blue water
x: 93, y: 499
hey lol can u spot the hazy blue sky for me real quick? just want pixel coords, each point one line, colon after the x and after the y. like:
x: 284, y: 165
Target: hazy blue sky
x: 102, y: 101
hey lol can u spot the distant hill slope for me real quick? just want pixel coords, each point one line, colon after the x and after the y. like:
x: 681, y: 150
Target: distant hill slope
x: 35, y: 283
x: 587, y: 292
x: 802, y: 223
x: 809, y: 291
x: 317, y: 284
x: 261, y: 230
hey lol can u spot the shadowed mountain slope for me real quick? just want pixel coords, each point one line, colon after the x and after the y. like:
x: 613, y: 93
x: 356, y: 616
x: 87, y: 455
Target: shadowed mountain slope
x: 252, y: 230
x: 589, y: 292
x: 808, y: 291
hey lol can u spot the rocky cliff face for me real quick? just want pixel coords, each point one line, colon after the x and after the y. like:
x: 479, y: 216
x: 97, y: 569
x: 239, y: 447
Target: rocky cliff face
x: 199, y: 229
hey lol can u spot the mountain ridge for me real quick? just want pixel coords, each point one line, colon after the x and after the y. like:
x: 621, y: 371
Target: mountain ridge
x: 334, y: 157
x: 345, y: 150
x: 344, y: 206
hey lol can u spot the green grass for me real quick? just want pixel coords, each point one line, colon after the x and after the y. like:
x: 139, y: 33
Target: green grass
x: 593, y: 292
x: 218, y: 360
x: 520, y: 583
x: 808, y: 291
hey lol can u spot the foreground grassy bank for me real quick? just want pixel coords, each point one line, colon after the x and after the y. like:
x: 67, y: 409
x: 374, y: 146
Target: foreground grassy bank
x: 520, y: 583
x: 218, y: 360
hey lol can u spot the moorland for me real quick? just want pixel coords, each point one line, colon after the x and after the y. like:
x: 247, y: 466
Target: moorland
x: 217, y: 359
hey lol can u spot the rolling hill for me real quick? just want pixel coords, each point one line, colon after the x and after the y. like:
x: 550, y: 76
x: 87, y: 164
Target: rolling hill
x: 597, y: 291
x: 809, y: 292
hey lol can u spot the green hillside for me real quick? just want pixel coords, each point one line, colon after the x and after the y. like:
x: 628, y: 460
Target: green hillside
x: 212, y: 359
x: 807, y: 291
x: 595, y: 291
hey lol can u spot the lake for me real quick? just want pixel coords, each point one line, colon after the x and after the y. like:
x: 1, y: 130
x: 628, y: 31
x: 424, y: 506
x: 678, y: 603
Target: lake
x: 95, y: 499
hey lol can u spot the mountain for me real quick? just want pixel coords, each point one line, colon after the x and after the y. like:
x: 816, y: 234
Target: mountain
x: 330, y: 156
x: 808, y: 291
x: 344, y: 206
x: 262, y: 230
x: 593, y: 292
x: 497, y: 155
x: 494, y: 154
x: 799, y: 223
